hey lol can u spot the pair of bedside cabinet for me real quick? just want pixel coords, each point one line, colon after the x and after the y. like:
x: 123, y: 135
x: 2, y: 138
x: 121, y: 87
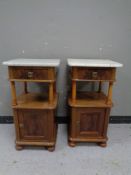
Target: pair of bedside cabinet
x: 34, y: 113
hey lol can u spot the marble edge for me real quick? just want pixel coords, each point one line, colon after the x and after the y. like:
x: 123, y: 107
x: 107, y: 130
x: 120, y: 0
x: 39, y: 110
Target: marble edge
x: 113, y: 64
x: 11, y: 63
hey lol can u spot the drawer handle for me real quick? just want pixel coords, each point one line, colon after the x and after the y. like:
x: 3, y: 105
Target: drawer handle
x: 30, y: 74
x: 94, y: 74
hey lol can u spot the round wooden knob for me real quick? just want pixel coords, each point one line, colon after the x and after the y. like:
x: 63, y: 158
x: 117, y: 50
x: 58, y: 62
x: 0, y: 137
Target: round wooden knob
x: 30, y: 74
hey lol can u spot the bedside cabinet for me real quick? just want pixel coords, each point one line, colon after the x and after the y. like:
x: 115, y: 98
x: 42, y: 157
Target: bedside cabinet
x: 34, y: 113
x: 90, y: 110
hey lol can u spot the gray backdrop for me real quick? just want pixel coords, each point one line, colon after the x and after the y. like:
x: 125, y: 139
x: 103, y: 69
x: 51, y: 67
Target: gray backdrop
x: 67, y: 28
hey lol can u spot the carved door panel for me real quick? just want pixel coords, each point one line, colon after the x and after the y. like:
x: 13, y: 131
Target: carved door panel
x: 90, y: 122
x: 33, y: 124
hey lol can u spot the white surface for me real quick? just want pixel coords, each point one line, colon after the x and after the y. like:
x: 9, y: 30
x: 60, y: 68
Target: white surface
x: 93, y: 63
x: 33, y: 62
x: 84, y: 159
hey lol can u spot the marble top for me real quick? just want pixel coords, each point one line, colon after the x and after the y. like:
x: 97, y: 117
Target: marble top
x: 93, y: 63
x: 33, y: 62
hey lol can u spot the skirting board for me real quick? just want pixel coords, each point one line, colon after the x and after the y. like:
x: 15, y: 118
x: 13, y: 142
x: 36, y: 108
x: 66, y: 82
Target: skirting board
x: 62, y: 120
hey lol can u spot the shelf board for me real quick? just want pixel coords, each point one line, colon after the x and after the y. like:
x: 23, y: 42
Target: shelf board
x: 89, y: 99
x: 35, y: 101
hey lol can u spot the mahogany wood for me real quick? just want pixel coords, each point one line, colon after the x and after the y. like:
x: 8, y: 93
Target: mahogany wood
x: 35, y: 126
x: 88, y: 124
x: 31, y: 73
x: 34, y: 113
x: 84, y: 73
x: 89, y: 111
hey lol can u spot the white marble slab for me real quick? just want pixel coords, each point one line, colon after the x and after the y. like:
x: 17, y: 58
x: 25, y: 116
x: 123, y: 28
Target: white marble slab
x: 33, y: 62
x: 93, y: 63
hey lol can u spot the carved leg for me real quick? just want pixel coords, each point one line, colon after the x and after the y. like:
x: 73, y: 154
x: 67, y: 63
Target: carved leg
x: 72, y: 144
x: 51, y: 148
x: 102, y: 144
x: 18, y: 147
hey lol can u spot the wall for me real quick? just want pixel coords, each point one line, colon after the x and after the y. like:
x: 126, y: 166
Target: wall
x: 67, y: 28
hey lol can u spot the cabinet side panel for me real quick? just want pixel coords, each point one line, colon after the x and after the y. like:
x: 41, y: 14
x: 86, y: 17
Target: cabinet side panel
x: 51, y: 125
x: 106, y: 122
x: 73, y: 122
x: 16, y: 123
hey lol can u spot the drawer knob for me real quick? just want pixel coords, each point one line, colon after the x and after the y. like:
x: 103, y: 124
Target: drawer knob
x: 94, y: 74
x: 30, y: 74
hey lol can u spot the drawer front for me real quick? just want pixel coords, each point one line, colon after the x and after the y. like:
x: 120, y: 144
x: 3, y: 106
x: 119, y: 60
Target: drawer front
x: 30, y: 73
x: 94, y: 73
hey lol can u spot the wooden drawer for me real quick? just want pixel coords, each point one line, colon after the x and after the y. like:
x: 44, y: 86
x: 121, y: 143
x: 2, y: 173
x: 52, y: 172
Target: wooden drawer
x: 83, y: 73
x: 31, y: 73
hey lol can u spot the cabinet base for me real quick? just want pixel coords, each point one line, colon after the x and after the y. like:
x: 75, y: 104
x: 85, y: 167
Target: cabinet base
x: 47, y: 144
x: 73, y: 141
x: 71, y: 144
x: 103, y: 144
x: 22, y: 144
x: 18, y: 147
x: 35, y: 128
x: 88, y: 125
x: 51, y: 148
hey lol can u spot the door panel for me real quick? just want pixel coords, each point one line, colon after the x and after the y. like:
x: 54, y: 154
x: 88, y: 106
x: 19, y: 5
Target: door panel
x: 33, y: 124
x: 90, y: 122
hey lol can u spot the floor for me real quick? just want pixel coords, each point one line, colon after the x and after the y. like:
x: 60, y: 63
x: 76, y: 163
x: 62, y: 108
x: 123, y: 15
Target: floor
x: 84, y: 159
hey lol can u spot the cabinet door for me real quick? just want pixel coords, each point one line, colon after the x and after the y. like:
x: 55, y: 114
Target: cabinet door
x: 90, y: 122
x: 33, y: 124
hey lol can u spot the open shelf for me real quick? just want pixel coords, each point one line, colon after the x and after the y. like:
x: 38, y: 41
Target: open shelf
x: 89, y: 99
x: 35, y: 101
